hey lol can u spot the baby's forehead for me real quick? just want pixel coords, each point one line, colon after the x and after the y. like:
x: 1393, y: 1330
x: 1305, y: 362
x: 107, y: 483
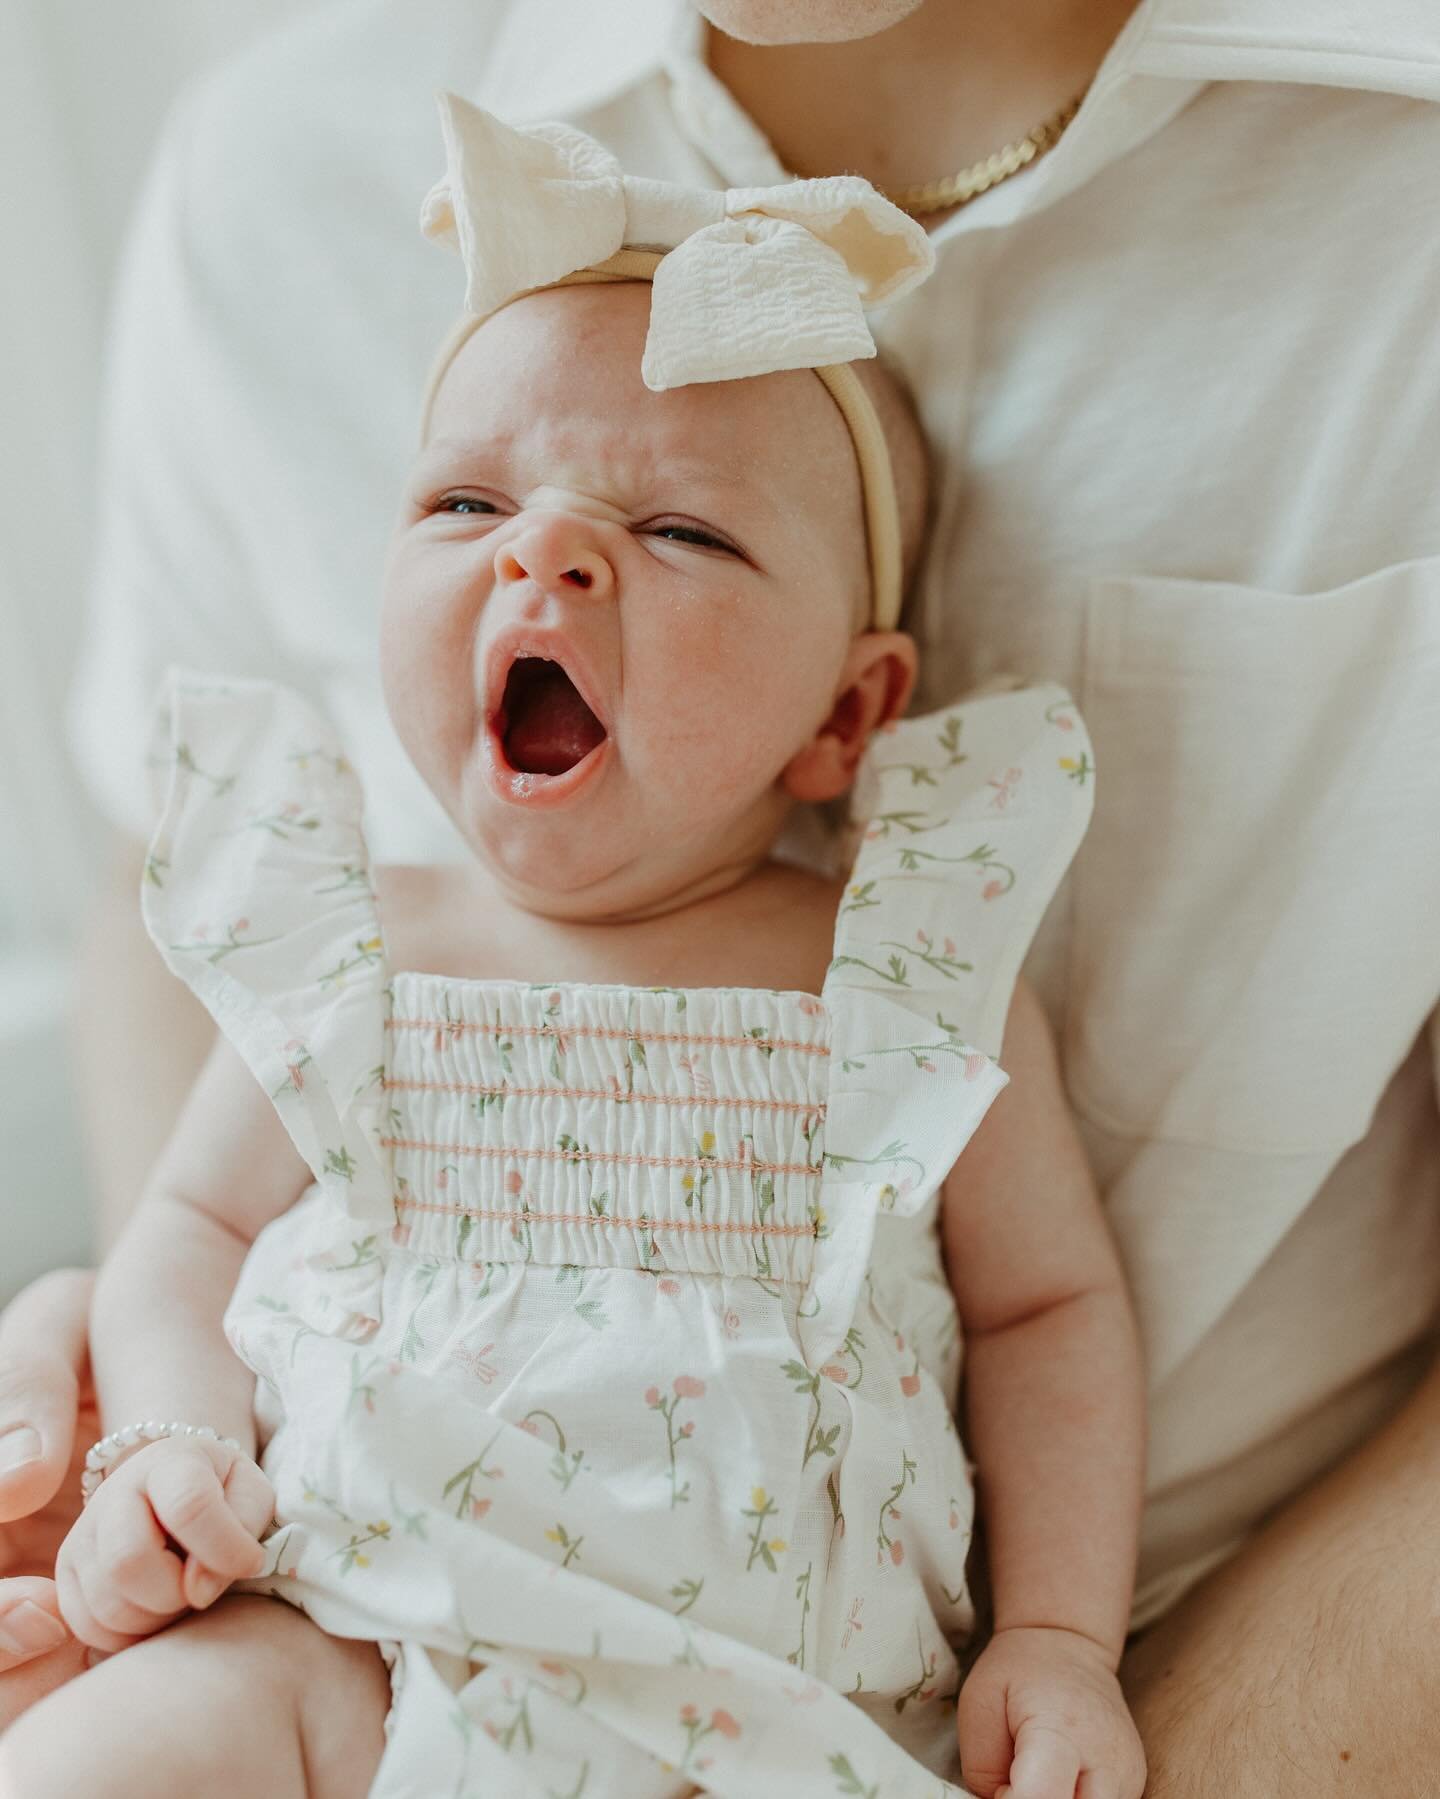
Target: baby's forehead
x: 561, y: 369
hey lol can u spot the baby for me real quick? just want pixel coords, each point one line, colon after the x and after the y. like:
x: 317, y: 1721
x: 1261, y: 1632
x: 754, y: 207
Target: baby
x: 592, y: 1328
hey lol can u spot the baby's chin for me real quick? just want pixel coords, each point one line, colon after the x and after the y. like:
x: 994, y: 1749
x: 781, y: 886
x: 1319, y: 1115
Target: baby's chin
x: 805, y: 21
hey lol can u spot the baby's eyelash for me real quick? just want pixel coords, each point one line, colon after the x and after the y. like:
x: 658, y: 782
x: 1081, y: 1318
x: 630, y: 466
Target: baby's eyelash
x: 676, y: 532
x: 459, y: 502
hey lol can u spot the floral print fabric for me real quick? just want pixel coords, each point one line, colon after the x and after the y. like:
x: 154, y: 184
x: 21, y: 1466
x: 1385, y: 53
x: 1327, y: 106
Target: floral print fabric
x: 608, y: 1369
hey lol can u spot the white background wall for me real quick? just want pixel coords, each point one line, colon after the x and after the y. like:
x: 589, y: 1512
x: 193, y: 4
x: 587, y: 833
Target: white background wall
x: 84, y: 85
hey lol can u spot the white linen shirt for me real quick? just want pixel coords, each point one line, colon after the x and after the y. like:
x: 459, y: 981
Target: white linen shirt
x: 1183, y: 382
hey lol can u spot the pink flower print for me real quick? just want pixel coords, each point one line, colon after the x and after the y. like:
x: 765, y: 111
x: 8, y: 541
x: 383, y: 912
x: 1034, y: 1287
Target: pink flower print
x: 1062, y: 722
x: 514, y: 1182
x: 652, y: 1397
x: 400, y: 1233
x: 479, y: 1507
x: 954, y: 1517
x: 811, y: 1007
x: 531, y: 1428
x: 852, y: 1623
x: 872, y: 831
x: 992, y: 890
x: 687, y: 1429
x: 974, y: 1066
x: 689, y: 1713
x: 725, y: 1724
x: 730, y: 1323
x: 899, y: 1339
x: 242, y: 924
x: 1004, y: 786
x: 909, y: 1385
x: 669, y: 1285
x: 442, y: 1180
x: 834, y: 1371
x: 552, y: 999
x: 897, y: 1552
x: 700, y: 1082
x: 474, y: 1360
x: 925, y: 1065
x: 688, y: 1387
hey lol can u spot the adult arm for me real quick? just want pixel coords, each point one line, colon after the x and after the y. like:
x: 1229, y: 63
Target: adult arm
x: 1308, y: 1667
x: 140, y: 1037
x: 44, y: 1384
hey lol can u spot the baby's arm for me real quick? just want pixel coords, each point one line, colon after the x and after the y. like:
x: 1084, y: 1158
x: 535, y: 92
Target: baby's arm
x: 1054, y: 1405
x: 159, y: 1352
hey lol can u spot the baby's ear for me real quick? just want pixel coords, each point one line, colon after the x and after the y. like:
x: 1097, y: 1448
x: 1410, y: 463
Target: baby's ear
x: 874, y: 688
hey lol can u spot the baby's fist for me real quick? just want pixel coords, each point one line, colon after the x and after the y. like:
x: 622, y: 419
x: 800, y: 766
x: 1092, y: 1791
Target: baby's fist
x: 167, y: 1532
x: 1042, y: 1717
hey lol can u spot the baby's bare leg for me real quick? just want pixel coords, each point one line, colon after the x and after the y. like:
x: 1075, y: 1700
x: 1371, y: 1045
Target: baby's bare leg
x: 249, y: 1697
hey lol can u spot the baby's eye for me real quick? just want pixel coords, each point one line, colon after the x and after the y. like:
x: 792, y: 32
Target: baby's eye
x: 465, y: 504
x: 692, y: 534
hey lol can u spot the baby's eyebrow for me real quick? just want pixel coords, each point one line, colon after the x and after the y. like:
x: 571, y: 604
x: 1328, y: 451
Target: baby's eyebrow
x: 658, y: 469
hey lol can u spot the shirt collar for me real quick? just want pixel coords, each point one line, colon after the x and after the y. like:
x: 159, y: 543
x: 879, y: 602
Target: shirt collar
x: 561, y: 58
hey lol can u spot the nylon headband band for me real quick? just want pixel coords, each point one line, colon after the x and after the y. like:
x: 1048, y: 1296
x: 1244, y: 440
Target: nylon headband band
x: 872, y: 454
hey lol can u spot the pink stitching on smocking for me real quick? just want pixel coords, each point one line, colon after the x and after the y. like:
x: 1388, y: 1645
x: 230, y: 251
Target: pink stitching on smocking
x: 454, y: 1026
x: 403, y: 1203
x: 621, y: 1099
x: 598, y: 1155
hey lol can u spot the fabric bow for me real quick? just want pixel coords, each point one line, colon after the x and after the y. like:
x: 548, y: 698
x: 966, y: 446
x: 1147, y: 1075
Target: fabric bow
x: 752, y: 280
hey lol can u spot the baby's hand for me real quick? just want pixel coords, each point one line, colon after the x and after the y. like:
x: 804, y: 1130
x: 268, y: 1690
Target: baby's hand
x: 166, y: 1533
x: 1042, y: 1717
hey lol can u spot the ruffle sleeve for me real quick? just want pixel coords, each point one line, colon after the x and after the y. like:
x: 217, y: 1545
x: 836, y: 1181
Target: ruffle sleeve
x: 257, y: 893
x: 968, y: 819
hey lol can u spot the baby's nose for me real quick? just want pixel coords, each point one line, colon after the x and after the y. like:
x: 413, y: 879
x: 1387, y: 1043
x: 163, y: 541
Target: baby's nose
x: 558, y: 553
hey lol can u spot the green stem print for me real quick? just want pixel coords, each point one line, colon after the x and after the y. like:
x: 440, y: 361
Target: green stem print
x: 565, y: 1464
x: 817, y: 1441
x: 693, y: 1189
x: 283, y: 824
x: 351, y: 878
x: 577, y: 1791
x: 896, y: 972
x: 796, y: 1657
x: 340, y: 1162
x: 982, y: 856
x: 687, y: 1591
x: 215, y: 953
x: 571, y: 1545
x: 915, y: 824
x: 893, y: 1156
x: 362, y: 1253
x: 368, y: 950
x: 412, y: 1342
x: 849, y: 1782
x: 156, y: 868
x: 686, y: 1386
x: 1079, y: 770
x: 885, y: 1544
x: 462, y: 1484
x: 361, y: 1392
x: 762, y: 1508
x: 183, y: 759
x: 697, y: 1729
x: 923, y: 774
x: 353, y: 1554
x: 924, y: 1687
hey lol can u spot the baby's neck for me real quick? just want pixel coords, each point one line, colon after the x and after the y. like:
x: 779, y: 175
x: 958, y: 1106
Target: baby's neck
x: 771, y: 928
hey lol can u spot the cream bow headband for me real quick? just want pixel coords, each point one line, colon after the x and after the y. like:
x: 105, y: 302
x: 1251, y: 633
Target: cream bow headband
x: 745, y: 282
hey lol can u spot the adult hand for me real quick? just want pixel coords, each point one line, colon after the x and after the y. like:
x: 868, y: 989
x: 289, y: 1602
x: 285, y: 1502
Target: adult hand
x: 47, y: 1422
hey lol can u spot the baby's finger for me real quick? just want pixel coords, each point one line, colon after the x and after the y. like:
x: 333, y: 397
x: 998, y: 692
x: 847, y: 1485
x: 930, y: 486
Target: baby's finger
x: 189, y: 1502
x: 985, y: 1745
x: 250, y: 1496
x: 130, y: 1546
x: 203, y: 1586
x: 1046, y: 1764
x: 93, y: 1619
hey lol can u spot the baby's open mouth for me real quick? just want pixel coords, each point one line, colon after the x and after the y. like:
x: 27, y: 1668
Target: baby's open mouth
x: 544, y: 725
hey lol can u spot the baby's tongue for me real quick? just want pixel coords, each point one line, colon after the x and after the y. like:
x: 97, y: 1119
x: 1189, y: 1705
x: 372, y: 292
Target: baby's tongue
x: 548, y: 727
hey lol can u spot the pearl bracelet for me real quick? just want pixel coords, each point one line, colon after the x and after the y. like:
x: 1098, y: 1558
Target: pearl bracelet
x: 112, y: 1449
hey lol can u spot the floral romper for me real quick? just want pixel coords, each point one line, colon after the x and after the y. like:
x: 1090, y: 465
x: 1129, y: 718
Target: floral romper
x: 607, y: 1372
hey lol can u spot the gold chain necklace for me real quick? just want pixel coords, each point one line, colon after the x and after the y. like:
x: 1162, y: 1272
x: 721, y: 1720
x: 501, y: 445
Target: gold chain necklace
x: 990, y: 171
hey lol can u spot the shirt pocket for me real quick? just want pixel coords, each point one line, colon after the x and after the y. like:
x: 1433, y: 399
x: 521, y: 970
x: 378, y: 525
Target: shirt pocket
x: 1257, y: 906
